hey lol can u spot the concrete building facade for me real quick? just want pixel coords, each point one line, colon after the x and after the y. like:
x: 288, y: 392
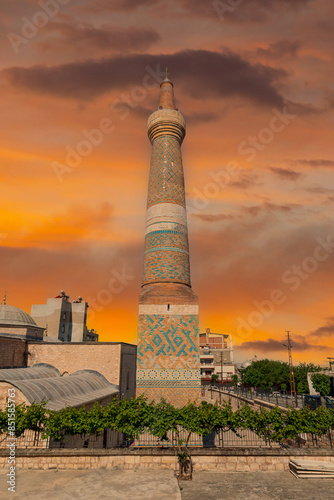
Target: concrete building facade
x: 216, y: 356
x: 63, y: 319
x: 168, y: 347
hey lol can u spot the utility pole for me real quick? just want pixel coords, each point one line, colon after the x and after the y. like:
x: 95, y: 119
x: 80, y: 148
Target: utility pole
x: 221, y: 367
x: 292, y: 376
x: 331, y: 363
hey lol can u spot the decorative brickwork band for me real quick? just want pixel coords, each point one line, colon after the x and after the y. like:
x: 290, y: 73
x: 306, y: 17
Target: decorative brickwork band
x: 166, y: 183
x: 166, y: 122
x: 178, y: 397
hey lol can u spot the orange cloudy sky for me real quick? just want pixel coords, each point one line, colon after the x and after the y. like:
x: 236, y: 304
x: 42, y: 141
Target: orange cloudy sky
x: 254, y: 80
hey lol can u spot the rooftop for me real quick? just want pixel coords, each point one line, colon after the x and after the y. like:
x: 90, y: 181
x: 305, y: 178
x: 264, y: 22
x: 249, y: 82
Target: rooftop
x: 13, y: 316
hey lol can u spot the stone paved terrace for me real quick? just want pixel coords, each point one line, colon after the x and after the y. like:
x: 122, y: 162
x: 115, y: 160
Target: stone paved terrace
x: 91, y: 485
x: 255, y: 486
x: 162, y: 485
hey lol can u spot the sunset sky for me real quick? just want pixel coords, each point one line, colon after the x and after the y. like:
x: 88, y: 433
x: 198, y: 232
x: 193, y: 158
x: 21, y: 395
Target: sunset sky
x: 255, y: 82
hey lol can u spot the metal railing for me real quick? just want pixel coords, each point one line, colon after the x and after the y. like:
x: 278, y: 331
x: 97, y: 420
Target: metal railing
x: 220, y: 439
x: 284, y: 400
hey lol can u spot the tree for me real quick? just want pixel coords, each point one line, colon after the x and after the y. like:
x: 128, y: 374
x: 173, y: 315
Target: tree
x: 235, y: 380
x: 266, y: 373
x: 214, y: 378
x: 321, y: 383
x: 301, y: 372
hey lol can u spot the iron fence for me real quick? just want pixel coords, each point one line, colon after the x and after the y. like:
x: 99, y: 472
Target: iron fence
x: 219, y: 439
x: 283, y: 400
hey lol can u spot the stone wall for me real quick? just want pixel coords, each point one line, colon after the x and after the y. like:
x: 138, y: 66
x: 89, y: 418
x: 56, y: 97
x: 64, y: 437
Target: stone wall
x: 19, y: 396
x: 204, y: 460
x: 104, y: 357
x: 12, y: 351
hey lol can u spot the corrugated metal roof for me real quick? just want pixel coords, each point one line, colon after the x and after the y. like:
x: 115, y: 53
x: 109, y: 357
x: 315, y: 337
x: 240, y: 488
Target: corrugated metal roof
x: 40, y: 370
x: 77, y: 389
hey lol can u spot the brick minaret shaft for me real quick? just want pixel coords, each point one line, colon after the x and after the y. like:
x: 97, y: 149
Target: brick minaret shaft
x: 168, y: 350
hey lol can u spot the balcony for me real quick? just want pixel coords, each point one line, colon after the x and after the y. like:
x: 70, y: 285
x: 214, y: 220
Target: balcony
x: 207, y: 367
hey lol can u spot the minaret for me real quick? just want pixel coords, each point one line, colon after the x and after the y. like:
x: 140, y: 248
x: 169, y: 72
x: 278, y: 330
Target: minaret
x: 168, y: 346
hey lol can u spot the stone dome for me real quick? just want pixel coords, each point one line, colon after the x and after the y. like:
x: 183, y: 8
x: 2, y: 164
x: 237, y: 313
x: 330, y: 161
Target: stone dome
x: 248, y: 362
x: 10, y: 315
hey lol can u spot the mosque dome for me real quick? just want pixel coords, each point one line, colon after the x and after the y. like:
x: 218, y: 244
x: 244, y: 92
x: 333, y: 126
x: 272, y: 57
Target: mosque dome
x: 10, y: 315
x: 248, y: 362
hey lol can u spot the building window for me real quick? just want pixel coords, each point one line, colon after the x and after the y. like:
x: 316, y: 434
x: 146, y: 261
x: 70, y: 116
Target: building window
x: 63, y: 329
x: 64, y: 315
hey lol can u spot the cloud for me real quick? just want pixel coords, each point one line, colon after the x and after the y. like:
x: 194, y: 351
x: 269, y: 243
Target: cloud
x: 117, y: 5
x: 249, y: 10
x: 272, y: 345
x: 245, y: 181
x: 199, y: 118
x: 253, y: 10
x: 282, y: 48
x: 202, y: 74
x: 286, y: 173
x: 268, y: 208
x: 87, y: 36
x: 326, y: 330
x: 316, y: 163
x: 319, y: 190
x: 213, y: 217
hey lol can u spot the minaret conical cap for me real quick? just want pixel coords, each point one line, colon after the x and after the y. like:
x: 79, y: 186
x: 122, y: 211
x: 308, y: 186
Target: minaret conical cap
x: 166, y: 99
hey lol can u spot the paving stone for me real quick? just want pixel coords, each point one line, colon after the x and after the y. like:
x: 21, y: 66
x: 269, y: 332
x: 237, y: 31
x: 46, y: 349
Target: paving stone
x: 91, y: 485
x: 255, y: 486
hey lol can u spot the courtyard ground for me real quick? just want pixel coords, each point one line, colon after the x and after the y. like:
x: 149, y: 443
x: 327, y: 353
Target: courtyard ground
x: 255, y: 486
x: 162, y: 485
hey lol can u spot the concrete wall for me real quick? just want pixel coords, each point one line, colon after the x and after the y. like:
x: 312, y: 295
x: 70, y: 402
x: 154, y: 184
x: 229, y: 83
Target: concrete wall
x: 79, y: 316
x: 66, y: 320
x: 48, y: 314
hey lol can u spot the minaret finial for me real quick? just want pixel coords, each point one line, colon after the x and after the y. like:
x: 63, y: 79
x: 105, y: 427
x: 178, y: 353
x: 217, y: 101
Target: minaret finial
x: 166, y: 72
x: 4, y: 299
